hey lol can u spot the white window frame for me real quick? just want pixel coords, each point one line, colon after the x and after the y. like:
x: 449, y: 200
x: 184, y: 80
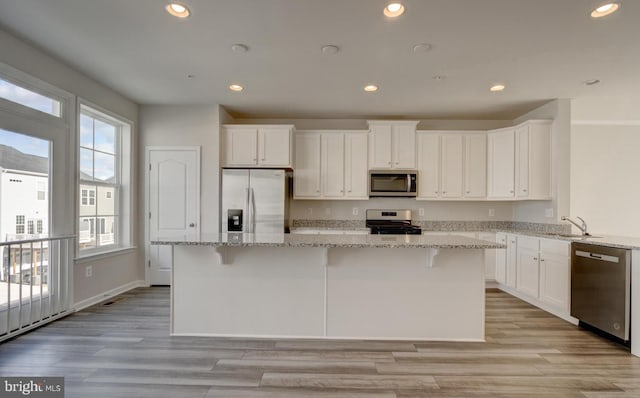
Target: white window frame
x: 123, y: 169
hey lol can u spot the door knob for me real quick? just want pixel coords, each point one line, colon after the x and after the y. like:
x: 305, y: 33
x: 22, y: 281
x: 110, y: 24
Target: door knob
x: 192, y: 225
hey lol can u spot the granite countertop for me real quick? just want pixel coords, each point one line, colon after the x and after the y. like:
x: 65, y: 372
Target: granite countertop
x: 333, y: 241
x: 622, y: 242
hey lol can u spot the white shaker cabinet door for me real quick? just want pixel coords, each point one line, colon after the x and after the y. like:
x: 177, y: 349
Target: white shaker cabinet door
x: 274, y: 147
x: 501, y: 259
x: 306, y: 176
x: 475, y: 166
x: 356, y: 166
x: 332, y: 165
x: 451, y: 165
x: 501, y: 163
x: 380, y: 147
x: 240, y: 146
x: 428, y: 165
x: 404, y: 147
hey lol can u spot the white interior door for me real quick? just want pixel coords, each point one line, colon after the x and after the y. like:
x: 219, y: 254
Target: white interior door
x: 173, y: 178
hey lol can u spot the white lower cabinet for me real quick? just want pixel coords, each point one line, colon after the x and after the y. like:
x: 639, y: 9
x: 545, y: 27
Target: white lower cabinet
x: 527, y: 266
x: 555, y: 273
x: 537, y: 270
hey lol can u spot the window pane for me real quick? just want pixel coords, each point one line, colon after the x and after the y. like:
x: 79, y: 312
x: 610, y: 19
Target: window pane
x: 105, y: 137
x: 86, y: 164
x: 106, y: 231
x: 105, y: 167
x: 87, y: 236
x: 24, y: 165
x: 86, y: 131
x: 31, y: 99
x: 106, y: 203
x: 86, y: 206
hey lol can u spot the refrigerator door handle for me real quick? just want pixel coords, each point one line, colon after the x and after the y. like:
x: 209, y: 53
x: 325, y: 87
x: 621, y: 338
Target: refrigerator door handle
x: 252, y: 211
x: 247, y: 215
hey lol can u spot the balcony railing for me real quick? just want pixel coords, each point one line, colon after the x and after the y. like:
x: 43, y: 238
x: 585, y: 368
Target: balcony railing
x: 35, y: 282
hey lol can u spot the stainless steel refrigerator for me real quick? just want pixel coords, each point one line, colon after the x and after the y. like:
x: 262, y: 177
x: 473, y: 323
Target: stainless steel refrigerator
x: 255, y: 201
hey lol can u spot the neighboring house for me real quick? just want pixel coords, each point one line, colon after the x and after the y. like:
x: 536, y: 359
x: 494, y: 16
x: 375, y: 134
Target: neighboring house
x: 24, y: 206
x: 96, y: 200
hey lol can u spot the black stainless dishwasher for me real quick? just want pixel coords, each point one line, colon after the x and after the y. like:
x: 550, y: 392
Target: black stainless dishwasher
x: 601, y: 287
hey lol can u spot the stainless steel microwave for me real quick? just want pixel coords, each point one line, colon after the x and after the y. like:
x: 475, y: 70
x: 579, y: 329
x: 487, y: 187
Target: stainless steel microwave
x: 398, y: 183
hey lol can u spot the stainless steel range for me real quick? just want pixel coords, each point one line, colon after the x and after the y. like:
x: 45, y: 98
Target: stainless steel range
x: 391, y: 222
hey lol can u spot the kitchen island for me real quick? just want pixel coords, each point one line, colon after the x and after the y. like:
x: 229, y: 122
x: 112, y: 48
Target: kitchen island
x: 330, y: 286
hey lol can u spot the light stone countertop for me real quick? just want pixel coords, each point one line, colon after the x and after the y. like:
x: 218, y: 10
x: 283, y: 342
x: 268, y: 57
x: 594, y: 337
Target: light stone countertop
x: 623, y: 242
x: 333, y: 241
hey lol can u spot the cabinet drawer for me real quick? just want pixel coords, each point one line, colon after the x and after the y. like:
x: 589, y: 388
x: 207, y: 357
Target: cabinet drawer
x: 554, y: 246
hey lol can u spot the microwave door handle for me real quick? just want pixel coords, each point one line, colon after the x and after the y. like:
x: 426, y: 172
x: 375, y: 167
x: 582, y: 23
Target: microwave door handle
x: 408, y: 182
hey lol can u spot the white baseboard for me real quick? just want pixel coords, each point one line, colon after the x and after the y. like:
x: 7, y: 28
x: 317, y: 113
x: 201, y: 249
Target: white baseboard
x: 346, y: 338
x: 80, y: 305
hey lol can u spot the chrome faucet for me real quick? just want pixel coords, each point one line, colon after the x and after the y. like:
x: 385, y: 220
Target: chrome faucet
x: 582, y: 227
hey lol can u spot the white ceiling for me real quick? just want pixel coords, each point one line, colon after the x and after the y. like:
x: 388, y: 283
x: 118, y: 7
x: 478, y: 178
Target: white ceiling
x: 542, y: 49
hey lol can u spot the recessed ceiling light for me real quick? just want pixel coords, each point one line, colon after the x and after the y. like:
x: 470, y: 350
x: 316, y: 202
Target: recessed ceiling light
x: 370, y: 88
x: 591, y: 82
x: 239, y: 48
x: 236, y: 87
x: 422, y: 48
x: 393, y: 10
x: 605, y: 10
x: 178, y: 10
x: 330, y: 49
x: 497, y: 87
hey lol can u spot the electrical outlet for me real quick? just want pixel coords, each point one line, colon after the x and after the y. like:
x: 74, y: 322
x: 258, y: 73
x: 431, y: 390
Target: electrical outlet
x: 88, y: 271
x: 421, y: 212
x: 309, y: 211
x: 548, y: 213
x: 354, y: 211
x: 327, y: 211
x: 492, y: 212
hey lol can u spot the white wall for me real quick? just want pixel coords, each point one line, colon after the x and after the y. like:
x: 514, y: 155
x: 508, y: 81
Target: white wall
x: 535, y: 211
x: 187, y: 125
x: 605, y: 187
x: 112, y: 272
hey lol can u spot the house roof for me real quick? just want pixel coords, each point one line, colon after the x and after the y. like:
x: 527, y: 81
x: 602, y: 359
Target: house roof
x: 11, y: 158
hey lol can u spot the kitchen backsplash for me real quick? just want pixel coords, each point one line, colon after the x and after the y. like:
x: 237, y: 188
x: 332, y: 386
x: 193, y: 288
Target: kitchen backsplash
x: 444, y: 226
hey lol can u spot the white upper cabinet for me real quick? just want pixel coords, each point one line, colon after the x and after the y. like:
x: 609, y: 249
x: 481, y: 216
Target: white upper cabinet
x: 257, y: 146
x: 519, y: 161
x: 306, y: 175
x: 533, y: 140
x: 392, y: 145
x: 428, y: 165
x: 451, y: 165
x: 501, y: 162
x: 356, y: 166
x: 331, y: 165
x: 475, y: 166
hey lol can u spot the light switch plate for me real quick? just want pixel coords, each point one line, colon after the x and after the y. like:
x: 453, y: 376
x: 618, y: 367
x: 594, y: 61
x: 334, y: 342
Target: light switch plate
x: 421, y: 212
x: 492, y: 212
x: 548, y: 213
x: 354, y: 211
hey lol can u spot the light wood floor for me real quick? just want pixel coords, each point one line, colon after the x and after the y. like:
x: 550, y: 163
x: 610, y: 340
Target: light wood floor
x: 123, y: 350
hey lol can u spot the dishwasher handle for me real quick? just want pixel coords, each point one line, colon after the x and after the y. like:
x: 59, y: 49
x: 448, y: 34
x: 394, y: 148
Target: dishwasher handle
x: 596, y: 256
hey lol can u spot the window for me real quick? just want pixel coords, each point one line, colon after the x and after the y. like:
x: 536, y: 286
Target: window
x: 40, y: 190
x: 30, y: 227
x: 103, y: 190
x: 88, y: 197
x: 39, y: 224
x: 19, y: 224
x: 28, y: 98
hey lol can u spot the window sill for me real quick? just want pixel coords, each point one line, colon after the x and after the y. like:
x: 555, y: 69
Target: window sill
x: 94, y: 256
